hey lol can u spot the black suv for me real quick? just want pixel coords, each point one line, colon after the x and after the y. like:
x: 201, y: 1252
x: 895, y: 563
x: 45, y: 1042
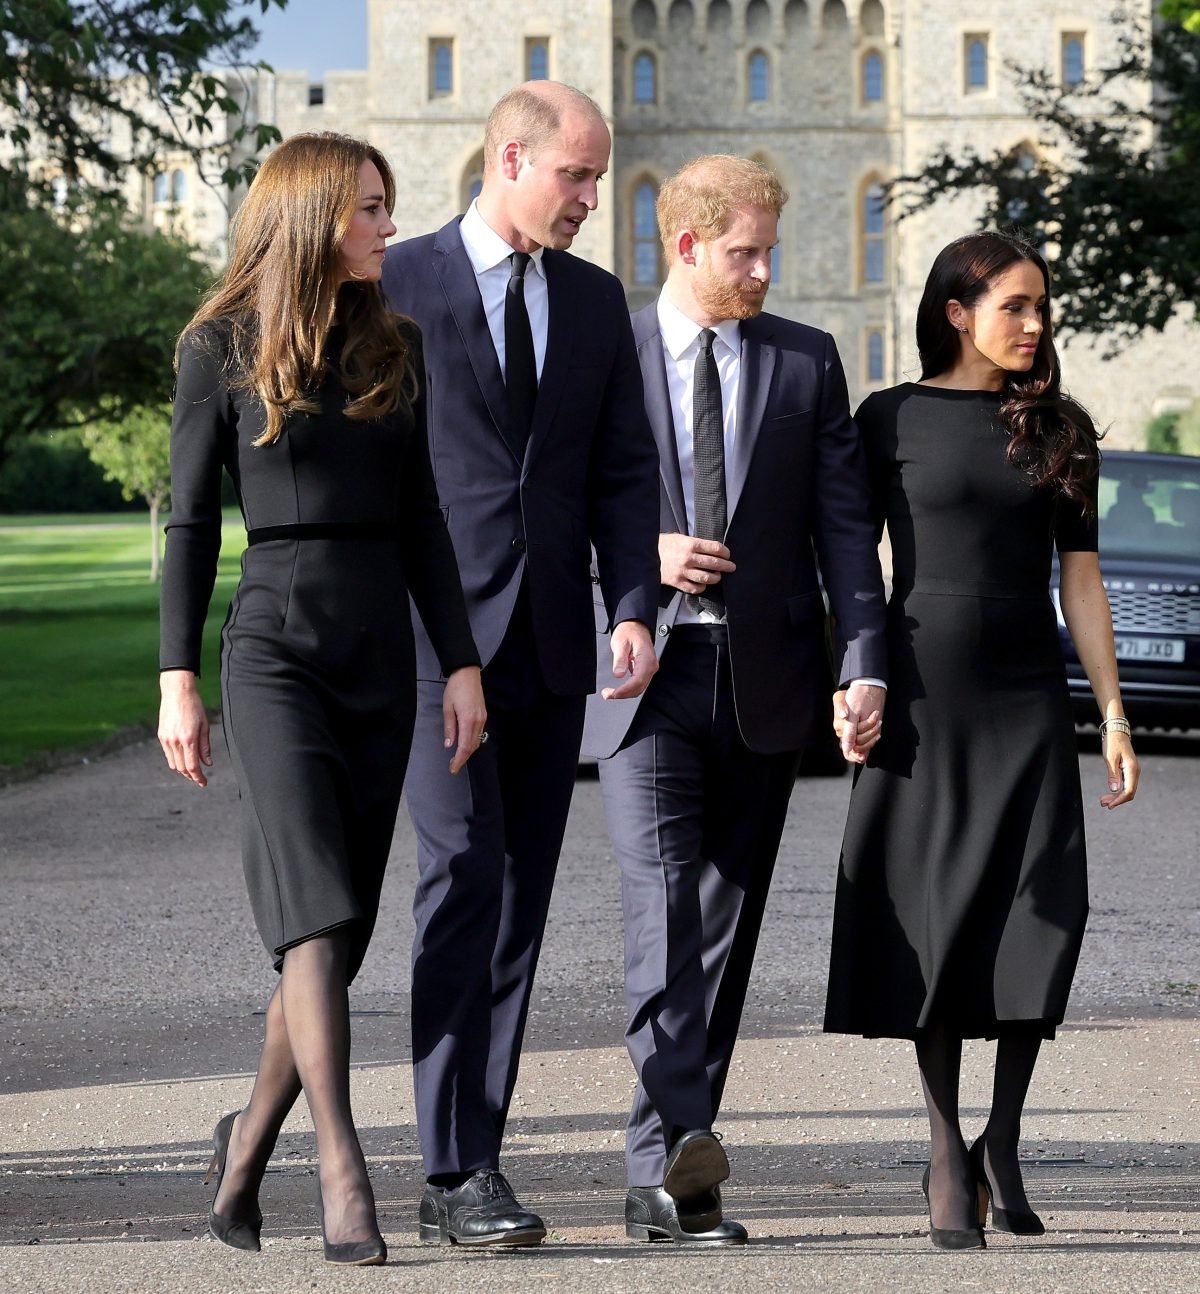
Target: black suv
x: 1150, y: 560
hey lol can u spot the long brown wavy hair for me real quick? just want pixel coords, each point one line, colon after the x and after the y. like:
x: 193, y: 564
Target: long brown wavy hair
x: 280, y: 294
x: 1052, y: 438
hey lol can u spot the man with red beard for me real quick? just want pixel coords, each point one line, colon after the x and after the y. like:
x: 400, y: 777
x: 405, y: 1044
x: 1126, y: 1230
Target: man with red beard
x: 760, y: 467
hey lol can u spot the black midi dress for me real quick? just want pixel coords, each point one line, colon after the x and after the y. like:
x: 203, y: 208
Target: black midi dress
x: 962, y: 887
x: 317, y: 663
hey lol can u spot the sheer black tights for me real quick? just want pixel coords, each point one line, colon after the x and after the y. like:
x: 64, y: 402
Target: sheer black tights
x: 306, y: 1048
x: 952, y: 1196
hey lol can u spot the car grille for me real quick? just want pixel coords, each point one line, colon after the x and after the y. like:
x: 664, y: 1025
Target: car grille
x: 1156, y: 613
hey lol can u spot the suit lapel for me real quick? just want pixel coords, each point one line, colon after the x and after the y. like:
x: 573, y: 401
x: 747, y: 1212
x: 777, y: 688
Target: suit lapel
x: 658, y: 408
x: 454, y: 269
x: 758, y: 366
x: 562, y: 319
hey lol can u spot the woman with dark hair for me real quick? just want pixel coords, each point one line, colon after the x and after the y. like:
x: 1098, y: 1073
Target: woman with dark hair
x: 296, y: 379
x: 962, y: 888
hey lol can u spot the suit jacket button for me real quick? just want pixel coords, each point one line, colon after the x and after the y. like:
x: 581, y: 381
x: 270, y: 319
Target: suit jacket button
x: 663, y: 630
x: 519, y: 544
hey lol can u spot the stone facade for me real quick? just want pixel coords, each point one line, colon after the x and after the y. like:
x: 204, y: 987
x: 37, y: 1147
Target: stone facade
x: 835, y: 95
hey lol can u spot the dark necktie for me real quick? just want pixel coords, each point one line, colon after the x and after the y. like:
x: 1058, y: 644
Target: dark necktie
x: 708, y: 454
x: 520, y: 363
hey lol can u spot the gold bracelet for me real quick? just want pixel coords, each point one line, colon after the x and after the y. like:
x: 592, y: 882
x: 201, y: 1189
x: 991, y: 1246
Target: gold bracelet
x: 1115, y: 725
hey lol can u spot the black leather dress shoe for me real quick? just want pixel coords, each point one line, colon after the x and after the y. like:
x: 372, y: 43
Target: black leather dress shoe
x: 650, y: 1214
x: 482, y: 1211
x: 696, y: 1165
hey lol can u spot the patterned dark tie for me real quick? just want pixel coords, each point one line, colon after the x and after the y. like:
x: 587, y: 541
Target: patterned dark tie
x: 708, y: 452
x: 520, y: 363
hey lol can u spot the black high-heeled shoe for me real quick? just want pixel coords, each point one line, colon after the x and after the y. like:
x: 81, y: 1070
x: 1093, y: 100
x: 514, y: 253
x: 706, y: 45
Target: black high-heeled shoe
x: 237, y: 1233
x: 951, y: 1237
x: 1017, y: 1222
x: 352, y: 1253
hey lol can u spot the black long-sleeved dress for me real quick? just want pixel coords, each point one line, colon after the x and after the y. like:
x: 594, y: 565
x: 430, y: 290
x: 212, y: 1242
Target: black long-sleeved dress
x: 317, y: 662
x: 962, y: 888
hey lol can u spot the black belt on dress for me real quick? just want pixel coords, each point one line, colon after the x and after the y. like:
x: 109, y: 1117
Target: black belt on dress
x: 325, y: 530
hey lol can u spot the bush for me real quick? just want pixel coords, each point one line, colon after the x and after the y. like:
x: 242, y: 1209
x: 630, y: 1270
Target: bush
x: 1161, y: 437
x: 1187, y: 430
x: 52, y: 472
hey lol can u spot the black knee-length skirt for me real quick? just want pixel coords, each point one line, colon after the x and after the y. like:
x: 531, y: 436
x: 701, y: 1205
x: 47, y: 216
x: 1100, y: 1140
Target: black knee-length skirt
x: 318, y: 695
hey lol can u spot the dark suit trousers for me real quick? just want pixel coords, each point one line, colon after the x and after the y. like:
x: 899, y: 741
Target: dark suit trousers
x: 488, y: 842
x: 695, y: 818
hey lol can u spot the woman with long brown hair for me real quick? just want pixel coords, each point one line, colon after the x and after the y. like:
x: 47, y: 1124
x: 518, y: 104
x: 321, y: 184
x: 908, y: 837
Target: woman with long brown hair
x: 295, y: 378
x: 962, y: 890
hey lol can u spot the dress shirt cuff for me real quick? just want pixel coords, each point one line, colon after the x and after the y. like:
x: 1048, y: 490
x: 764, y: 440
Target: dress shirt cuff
x: 868, y: 682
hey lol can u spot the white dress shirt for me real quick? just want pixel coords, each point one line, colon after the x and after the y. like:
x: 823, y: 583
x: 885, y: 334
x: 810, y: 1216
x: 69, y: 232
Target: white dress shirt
x: 681, y: 345
x: 489, y: 254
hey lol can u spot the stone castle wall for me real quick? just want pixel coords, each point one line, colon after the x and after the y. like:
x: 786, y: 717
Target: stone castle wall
x: 817, y: 126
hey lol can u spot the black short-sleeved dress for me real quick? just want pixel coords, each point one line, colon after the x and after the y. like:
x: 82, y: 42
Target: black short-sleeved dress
x: 962, y: 888
x: 317, y: 665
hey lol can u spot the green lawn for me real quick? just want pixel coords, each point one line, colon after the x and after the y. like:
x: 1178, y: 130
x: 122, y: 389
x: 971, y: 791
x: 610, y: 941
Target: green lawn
x: 79, y: 630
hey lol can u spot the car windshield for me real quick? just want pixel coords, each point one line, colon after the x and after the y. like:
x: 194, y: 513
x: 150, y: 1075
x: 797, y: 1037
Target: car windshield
x: 1150, y: 509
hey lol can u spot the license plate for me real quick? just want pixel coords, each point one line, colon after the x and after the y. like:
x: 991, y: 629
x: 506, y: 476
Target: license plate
x: 1164, y: 649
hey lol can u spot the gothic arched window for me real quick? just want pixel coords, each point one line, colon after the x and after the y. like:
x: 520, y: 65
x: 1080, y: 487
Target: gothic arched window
x: 875, y: 370
x: 758, y: 81
x: 872, y: 77
x: 1072, y: 59
x: 441, y: 68
x: 645, y: 235
x: 537, y: 59
x: 977, y: 62
x: 645, y: 78
x: 874, y: 234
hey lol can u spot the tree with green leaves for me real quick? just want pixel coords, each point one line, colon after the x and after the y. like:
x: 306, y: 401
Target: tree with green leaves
x: 164, y: 69
x: 88, y: 316
x: 135, y: 451
x: 92, y: 300
x: 1116, y: 194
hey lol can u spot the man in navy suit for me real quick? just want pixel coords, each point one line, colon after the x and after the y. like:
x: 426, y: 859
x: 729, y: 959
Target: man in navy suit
x: 542, y: 452
x: 762, y: 481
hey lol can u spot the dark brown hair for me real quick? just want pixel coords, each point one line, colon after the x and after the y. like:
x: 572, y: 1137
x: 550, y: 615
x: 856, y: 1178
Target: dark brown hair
x: 280, y: 291
x: 1052, y: 438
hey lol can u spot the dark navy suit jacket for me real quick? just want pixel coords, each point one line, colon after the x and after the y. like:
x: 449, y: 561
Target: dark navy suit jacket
x: 796, y: 491
x: 587, y: 478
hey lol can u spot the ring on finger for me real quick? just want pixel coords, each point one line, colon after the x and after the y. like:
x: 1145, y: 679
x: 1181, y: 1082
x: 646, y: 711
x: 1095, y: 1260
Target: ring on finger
x: 483, y: 736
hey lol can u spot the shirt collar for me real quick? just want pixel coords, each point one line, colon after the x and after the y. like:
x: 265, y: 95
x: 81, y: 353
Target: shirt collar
x: 679, y: 332
x: 485, y: 248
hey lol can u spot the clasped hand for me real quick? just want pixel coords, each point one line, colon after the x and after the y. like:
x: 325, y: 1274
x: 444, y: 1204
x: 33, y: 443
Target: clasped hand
x: 858, y: 719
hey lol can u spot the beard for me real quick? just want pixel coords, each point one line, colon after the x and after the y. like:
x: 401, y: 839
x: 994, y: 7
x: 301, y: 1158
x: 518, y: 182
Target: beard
x: 727, y: 300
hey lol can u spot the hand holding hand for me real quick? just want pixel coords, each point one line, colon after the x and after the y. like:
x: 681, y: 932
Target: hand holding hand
x: 858, y: 719
x: 183, y: 731
x: 690, y: 564
x: 633, y: 655
x: 464, y: 714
